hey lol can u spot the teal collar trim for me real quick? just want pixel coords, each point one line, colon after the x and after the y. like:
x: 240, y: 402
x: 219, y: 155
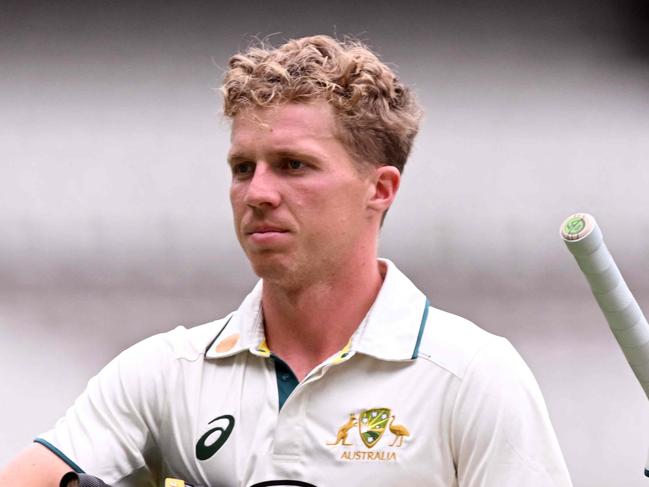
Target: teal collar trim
x: 286, y: 380
x: 59, y: 454
x: 393, y: 324
x: 422, y: 327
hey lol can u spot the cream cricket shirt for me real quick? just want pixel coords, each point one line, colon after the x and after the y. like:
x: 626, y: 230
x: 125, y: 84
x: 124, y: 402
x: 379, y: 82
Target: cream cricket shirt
x: 418, y: 397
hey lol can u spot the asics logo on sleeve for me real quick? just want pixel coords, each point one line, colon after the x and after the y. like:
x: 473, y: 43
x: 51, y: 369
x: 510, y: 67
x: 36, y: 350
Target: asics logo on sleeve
x: 214, y: 438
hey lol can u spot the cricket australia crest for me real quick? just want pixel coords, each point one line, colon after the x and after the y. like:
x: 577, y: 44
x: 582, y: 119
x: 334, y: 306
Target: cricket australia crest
x: 372, y: 424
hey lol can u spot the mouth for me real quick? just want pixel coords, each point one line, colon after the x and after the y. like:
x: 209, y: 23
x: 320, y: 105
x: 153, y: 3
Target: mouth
x: 265, y: 236
x: 265, y: 230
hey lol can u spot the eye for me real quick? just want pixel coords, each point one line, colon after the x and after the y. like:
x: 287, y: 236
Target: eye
x: 241, y: 169
x: 294, y: 164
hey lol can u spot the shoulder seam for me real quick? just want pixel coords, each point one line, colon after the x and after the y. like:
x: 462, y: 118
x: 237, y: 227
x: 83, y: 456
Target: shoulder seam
x: 430, y: 360
x: 482, y: 347
x: 457, y: 391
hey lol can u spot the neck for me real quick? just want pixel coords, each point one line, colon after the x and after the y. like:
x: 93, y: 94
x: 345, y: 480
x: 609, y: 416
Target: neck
x: 305, y: 326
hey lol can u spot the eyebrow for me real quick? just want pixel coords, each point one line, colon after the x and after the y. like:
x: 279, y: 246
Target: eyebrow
x: 235, y: 157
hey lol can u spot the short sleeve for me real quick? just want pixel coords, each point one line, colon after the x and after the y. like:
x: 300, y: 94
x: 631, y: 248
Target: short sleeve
x: 501, y: 432
x: 109, y: 431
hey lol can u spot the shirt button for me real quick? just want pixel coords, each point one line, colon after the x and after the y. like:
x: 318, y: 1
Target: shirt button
x: 285, y: 376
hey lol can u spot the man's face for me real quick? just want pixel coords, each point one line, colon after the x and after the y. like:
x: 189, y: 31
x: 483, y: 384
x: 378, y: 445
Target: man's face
x: 299, y: 202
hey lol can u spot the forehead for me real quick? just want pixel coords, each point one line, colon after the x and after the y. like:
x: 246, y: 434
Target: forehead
x: 287, y: 124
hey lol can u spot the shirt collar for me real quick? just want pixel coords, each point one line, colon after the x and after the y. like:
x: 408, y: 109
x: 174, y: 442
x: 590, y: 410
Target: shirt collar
x: 391, y: 330
x: 243, y: 330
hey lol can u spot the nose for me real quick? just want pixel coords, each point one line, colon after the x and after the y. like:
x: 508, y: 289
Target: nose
x: 262, y: 190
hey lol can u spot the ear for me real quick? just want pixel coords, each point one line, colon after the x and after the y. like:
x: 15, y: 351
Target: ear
x: 384, y: 189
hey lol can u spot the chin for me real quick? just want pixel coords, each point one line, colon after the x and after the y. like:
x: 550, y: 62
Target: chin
x: 280, y: 274
x: 268, y: 267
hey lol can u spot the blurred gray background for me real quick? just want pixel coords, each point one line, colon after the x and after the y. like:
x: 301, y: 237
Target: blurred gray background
x: 115, y: 221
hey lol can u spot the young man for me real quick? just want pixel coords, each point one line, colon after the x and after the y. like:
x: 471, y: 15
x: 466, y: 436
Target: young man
x: 334, y: 370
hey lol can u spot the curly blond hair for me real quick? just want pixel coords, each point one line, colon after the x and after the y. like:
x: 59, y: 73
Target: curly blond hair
x: 377, y: 115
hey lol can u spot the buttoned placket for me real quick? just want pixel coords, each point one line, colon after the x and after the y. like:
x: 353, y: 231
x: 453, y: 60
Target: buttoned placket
x: 289, y: 435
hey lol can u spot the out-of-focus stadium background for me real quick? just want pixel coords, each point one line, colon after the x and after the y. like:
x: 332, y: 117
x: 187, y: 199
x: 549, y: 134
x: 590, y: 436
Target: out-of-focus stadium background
x: 115, y: 221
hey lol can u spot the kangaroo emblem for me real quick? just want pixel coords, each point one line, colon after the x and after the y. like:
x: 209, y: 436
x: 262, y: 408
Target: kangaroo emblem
x: 343, y: 431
